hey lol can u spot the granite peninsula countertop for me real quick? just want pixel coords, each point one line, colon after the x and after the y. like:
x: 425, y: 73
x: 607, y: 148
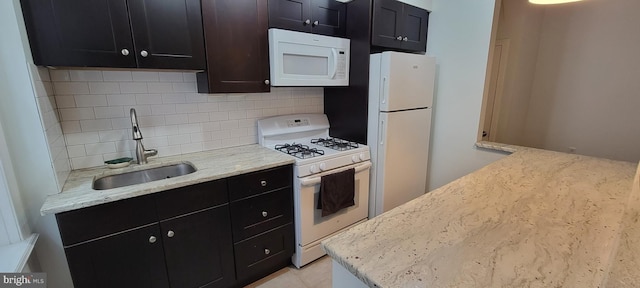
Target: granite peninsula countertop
x: 532, y: 219
x: 211, y: 165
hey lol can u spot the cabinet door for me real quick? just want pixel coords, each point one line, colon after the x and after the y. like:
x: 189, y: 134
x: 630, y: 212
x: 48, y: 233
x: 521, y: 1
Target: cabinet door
x: 414, y: 28
x: 237, y: 46
x: 387, y: 23
x: 93, y: 33
x: 169, y: 33
x: 198, y: 249
x: 329, y: 17
x: 131, y: 259
x: 290, y: 14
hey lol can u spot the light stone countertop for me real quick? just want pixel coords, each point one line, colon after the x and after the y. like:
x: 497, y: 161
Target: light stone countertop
x: 532, y: 219
x: 211, y: 165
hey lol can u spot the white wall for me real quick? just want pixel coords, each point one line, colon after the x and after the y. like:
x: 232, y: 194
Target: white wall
x: 459, y: 33
x: 520, y: 22
x: 586, y: 87
x: 26, y: 143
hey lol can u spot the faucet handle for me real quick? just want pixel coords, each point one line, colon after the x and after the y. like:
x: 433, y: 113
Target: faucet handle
x: 150, y: 152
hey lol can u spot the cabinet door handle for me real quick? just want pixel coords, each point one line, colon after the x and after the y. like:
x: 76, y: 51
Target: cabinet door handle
x: 144, y: 53
x: 265, y: 214
x: 152, y: 239
x: 263, y: 183
x: 307, y: 22
x: 399, y: 38
x: 267, y: 251
x: 124, y: 52
x: 315, y: 23
x: 405, y: 39
x: 170, y: 234
x: 267, y: 82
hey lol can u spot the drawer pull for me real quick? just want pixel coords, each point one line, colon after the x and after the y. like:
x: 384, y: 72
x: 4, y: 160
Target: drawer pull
x: 152, y: 239
x: 267, y: 251
x: 170, y: 234
x: 264, y: 214
x: 263, y: 183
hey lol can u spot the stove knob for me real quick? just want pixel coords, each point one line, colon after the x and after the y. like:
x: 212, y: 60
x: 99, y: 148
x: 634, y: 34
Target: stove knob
x: 362, y: 157
x: 314, y: 169
x: 323, y: 166
x: 355, y: 159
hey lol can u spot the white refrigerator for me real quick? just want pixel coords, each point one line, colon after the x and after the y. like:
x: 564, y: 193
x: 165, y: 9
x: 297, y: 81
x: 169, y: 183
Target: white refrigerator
x: 400, y: 101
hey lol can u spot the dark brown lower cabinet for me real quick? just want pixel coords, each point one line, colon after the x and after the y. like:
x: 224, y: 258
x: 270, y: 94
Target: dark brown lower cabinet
x: 127, y: 259
x: 196, y: 249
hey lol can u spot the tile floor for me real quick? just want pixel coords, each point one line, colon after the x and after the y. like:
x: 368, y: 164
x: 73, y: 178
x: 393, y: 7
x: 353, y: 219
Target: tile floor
x: 314, y: 275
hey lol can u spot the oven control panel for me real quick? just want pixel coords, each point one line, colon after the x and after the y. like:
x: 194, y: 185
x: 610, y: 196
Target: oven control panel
x: 297, y: 122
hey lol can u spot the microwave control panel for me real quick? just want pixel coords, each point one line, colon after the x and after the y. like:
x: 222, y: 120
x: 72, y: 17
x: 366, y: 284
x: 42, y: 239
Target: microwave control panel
x: 342, y: 65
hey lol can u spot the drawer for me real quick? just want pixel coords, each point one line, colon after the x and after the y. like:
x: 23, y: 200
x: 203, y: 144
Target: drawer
x: 262, y: 213
x: 192, y: 198
x: 105, y: 219
x: 260, y: 182
x: 264, y: 254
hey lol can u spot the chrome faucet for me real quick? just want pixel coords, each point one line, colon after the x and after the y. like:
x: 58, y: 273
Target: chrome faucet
x: 141, y: 153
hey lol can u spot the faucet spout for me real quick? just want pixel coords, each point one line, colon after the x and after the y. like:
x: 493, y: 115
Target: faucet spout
x: 141, y: 153
x: 137, y: 135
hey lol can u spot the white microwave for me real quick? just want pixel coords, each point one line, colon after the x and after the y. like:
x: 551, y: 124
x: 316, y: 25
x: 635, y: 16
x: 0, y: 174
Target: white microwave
x: 304, y: 59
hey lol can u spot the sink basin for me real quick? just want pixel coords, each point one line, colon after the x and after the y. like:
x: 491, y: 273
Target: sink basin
x: 143, y: 176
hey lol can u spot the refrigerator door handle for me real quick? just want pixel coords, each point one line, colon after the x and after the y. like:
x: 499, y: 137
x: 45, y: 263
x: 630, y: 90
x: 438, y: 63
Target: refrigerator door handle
x: 381, y: 132
x: 384, y: 90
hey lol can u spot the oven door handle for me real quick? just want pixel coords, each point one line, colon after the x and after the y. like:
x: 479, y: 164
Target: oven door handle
x: 316, y: 180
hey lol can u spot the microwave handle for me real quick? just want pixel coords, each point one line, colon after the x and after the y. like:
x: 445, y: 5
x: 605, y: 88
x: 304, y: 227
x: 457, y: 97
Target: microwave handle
x: 334, y: 55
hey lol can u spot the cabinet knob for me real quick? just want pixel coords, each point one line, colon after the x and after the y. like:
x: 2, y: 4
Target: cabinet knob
x: 144, y: 53
x: 263, y: 183
x: 405, y: 39
x: 267, y: 82
x: 264, y: 214
x: 315, y: 23
x: 399, y: 38
x: 267, y: 251
x: 124, y: 52
x: 170, y: 234
x: 307, y: 22
x: 152, y: 239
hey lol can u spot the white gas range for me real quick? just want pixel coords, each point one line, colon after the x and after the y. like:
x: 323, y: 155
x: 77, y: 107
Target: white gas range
x: 306, y: 137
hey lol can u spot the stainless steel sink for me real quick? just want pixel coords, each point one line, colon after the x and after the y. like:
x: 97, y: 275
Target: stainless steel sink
x: 142, y: 176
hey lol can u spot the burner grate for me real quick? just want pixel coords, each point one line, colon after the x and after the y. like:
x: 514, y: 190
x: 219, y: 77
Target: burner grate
x: 335, y: 144
x: 299, y: 150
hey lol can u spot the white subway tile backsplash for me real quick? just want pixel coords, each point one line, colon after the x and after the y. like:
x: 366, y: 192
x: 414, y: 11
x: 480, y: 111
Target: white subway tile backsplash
x: 170, y: 76
x: 70, y: 88
x: 145, y: 76
x: 103, y: 88
x: 121, y: 100
x: 116, y: 76
x: 76, y: 151
x: 133, y: 87
x: 94, y: 105
x: 70, y: 114
x: 95, y: 125
x: 85, y: 75
x: 90, y: 100
x: 82, y: 138
x: 159, y: 87
x: 59, y: 75
x: 109, y: 112
x: 100, y: 148
x: 65, y: 101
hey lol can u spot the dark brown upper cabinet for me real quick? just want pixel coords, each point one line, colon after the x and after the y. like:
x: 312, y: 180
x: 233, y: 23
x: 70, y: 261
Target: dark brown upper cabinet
x: 326, y: 17
x: 397, y: 25
x: 237, y: 46
x: 163, y: 34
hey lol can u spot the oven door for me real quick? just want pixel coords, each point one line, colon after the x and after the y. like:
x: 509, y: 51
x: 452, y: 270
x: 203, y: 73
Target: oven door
x: 312, y: 225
